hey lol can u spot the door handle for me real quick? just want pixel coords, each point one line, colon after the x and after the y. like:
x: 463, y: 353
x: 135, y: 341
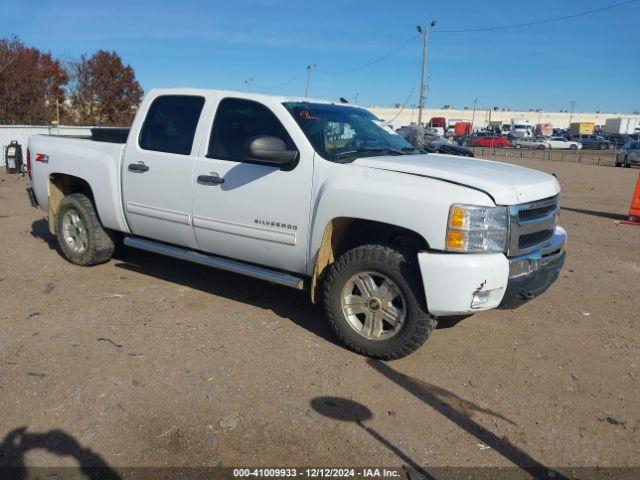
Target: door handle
x: 138, y: 167
x: 213, y: 179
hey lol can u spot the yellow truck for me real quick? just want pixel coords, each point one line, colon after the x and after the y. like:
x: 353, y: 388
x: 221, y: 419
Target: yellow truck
x: 582, y: 128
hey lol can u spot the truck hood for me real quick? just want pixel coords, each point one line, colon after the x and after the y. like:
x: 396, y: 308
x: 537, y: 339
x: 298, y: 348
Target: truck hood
x: 507, y: 184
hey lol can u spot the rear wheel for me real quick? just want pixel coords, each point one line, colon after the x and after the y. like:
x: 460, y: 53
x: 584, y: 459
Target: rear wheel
x: 573, y: 147
x: 541, y: 147
x: 81, y: 237
x: 374, y: 302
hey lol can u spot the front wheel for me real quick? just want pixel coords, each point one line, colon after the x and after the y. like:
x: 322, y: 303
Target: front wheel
x: 573, y: 147
x: 81, y: 237
x: 374, y: 302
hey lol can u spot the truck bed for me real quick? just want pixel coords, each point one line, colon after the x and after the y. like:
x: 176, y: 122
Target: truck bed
x: 110, y: 134
x: 96, y: 162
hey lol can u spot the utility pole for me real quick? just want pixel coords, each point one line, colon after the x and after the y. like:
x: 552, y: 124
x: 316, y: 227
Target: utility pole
x: 57, y: 112
x: 473, y: 117
x: 573, y: 104
x: 310, y: 67
x: 424, y: 31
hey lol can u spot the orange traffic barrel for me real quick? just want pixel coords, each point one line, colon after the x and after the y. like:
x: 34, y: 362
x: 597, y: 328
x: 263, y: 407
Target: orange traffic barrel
x: 634, y: 210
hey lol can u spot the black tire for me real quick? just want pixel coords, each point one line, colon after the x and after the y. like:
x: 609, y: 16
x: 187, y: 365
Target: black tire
x: 541, y: 147
x: 626, y: 162
x: 99, y: 246
x: 404, y: 272
x: 573, y: 147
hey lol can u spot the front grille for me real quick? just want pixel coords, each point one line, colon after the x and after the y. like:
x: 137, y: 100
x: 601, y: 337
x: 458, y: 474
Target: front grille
x: 531, y: 225
x: 535, y: 213
x: 531, y: 239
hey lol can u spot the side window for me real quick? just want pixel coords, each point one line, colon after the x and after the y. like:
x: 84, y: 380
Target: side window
x: 236, y: 122
x: 171, y: 124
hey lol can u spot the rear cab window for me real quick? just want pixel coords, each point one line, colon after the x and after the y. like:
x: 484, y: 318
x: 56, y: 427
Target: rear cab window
x: 170, y: 124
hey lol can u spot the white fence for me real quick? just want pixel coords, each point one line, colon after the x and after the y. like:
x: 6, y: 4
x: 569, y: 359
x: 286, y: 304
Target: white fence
x: 21, y: 134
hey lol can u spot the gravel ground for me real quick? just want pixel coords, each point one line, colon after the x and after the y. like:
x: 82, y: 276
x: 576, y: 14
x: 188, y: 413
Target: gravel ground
x: 149, y: 361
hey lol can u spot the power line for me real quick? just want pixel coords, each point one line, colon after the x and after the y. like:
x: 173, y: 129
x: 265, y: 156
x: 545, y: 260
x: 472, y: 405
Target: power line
x: 402, y: 107
x: 372, y: 62
x: 539, y: 22
x: 282, y: 84
x: 468, y: 30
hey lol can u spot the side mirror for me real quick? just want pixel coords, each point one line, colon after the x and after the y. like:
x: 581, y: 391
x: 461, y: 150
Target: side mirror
x: 268, y: 149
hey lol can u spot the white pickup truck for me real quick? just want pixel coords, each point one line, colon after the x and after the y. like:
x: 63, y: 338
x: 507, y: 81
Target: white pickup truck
x: 309, y: 194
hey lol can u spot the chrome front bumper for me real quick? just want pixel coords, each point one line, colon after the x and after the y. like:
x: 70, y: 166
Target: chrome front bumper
x: 532, y: 274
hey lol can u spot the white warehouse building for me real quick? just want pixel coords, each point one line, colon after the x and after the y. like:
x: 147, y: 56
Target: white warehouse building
x: 481, y: 119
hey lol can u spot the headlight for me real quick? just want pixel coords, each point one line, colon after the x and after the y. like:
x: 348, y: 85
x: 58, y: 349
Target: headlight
x: 477, y: 229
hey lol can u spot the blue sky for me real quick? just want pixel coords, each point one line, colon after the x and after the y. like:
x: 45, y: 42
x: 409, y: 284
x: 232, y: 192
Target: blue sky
x: 594, y: 60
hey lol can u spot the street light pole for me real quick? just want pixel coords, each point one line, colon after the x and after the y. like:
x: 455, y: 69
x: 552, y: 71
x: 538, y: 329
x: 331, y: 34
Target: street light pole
x: 424, y: 31
x: 573, y: 104
x: 473, y: 117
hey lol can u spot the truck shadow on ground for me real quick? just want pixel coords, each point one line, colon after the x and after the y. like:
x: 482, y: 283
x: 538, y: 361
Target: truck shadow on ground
x: 288, y: 303
x: 40, y: 230
x: 294, y: 305
x: 460, y: 412
x: 18, y: 442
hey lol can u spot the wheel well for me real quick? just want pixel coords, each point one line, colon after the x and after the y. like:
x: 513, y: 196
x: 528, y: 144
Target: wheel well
x: 361, y: 232
x: 61, y: 185
x: 343, y: 234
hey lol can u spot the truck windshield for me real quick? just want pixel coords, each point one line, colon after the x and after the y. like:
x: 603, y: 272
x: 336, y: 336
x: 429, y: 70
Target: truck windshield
x: 343, y: 133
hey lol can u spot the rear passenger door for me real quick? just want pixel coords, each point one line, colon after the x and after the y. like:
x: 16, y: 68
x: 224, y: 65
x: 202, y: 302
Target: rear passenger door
x: 157, y: 170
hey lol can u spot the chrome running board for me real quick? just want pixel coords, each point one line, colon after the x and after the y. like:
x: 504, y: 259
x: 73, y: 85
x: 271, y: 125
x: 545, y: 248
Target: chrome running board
x: 216, y: 262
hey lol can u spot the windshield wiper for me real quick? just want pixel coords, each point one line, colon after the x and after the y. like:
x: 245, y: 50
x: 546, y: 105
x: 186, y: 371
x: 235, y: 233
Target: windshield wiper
x: 413, y: 149
x: 396, y: 151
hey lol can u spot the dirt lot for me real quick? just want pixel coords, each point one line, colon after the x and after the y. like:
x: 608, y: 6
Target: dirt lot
x: 148, y: 361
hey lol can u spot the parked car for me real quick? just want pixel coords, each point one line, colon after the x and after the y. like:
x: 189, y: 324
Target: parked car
x: 438, y: 144
x: 616, y: 140
x: 489, y: 140
x: 628, y: 155
x: 312, y: 195
x: 561, y: 143
x: 538, y: 143
x: 592, y: 142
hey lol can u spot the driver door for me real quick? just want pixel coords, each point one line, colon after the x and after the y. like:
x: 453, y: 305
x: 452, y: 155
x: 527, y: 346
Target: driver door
x: 254, y: 212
